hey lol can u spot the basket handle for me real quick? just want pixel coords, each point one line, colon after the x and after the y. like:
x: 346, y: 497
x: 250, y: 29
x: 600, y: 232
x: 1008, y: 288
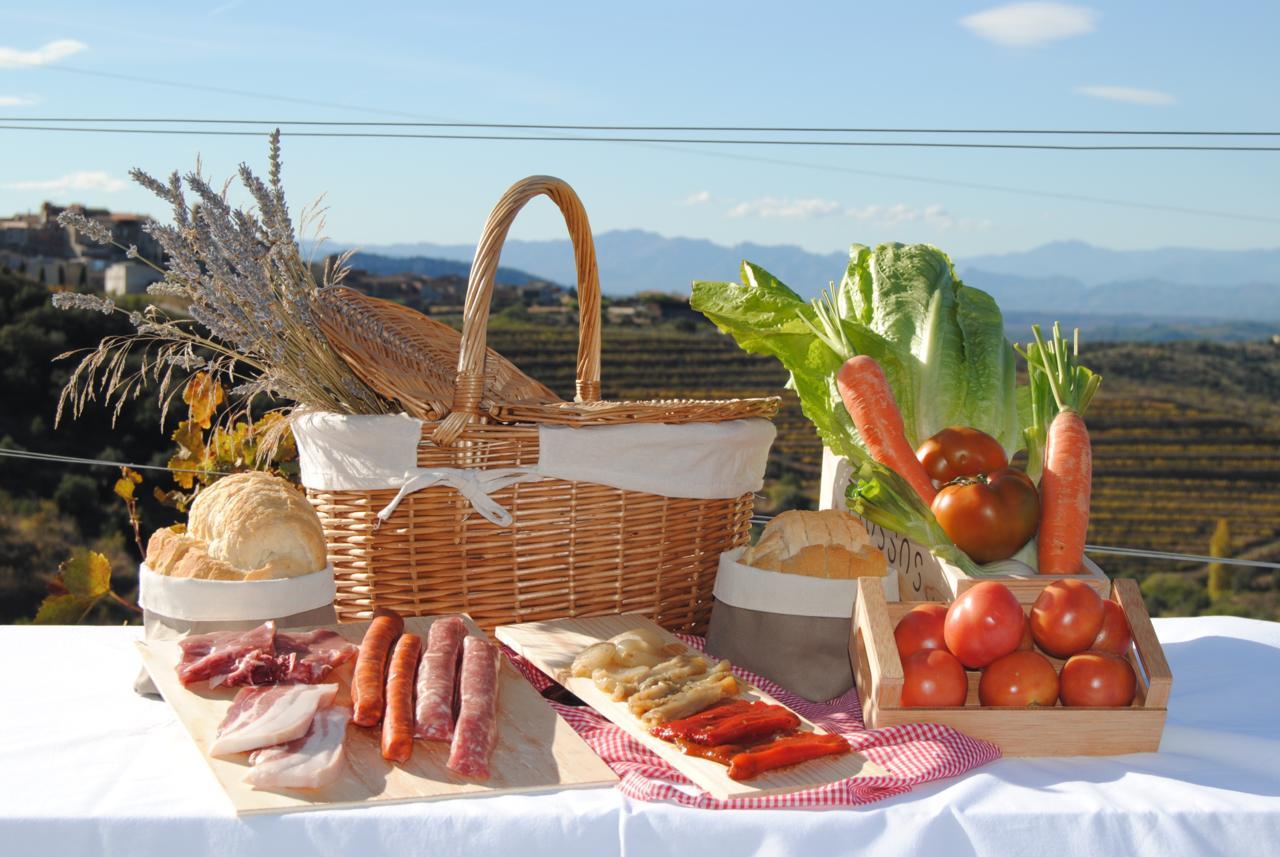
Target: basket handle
x: 469, y: 384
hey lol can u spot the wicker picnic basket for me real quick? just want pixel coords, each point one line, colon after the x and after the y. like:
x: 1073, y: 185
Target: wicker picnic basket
x: 573, y: 548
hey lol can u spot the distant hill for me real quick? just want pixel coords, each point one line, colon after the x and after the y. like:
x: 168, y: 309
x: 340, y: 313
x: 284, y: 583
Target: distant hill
x: 1173, y: 292
x: 1095, y: 266
x: 634, y: 260
x: 433, y: 267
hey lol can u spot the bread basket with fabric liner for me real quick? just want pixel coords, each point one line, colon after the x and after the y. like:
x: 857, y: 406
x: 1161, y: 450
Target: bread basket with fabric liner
x: 504, y: 501
x: 253, y: 551
x: 784, y: 607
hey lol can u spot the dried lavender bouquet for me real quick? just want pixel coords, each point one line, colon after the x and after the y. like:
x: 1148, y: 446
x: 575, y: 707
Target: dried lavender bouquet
x: 247, y: 293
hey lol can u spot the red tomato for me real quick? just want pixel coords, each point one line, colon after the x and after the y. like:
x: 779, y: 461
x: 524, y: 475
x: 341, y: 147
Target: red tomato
x: 1028, y: 642
x: 989, y: 517
x: 920, y: 628
x: 1022, y: 679
x: 960, y: 451
x: 1115, y: 637
x: 983, y: 624
x: 1097, y: 679
x: 1066, y: 617
x: 933, y: 678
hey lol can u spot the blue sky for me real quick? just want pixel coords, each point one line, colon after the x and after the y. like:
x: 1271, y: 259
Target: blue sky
x: 1184, y: 65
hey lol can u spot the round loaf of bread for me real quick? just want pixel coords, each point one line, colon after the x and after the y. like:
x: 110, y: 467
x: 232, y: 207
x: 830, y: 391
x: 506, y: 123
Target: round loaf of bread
x: 259, y: 524
x: 830, y: 543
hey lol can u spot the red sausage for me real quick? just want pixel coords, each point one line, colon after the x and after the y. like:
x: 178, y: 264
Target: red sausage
x: 371, y: 666
x: 397, y: 725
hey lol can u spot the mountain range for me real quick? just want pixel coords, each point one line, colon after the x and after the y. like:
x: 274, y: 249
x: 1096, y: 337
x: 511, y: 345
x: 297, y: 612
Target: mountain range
x: 1062, y: 278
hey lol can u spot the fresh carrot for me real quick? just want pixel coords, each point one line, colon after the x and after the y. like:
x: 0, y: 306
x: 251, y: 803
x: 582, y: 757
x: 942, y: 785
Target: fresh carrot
x: 1065, y: 487
x: 869, y: 400
x: 1066, y: 482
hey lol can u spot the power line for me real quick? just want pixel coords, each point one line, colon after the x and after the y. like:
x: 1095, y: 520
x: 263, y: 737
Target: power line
x: 566, y: 138
x: 755, y: 519
x: 97, y: 462
x: 772, y: 129
x: 934, y: 180
x: 1135, y: 553
x: 266, y: 96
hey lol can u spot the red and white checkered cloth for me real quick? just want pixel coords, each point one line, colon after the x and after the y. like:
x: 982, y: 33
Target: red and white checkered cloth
x: 912, y: 754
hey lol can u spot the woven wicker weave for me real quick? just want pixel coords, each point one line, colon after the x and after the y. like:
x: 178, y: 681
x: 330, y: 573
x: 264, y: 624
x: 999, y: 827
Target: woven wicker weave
x: 574, y: 548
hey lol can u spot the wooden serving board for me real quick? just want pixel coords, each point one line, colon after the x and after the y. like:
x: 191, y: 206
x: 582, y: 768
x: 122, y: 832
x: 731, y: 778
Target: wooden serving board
x: 536, y: 749
x: 553, y: 645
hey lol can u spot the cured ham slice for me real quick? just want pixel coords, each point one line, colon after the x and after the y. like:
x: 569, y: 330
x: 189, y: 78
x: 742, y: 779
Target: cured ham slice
x: 310, y: 762
x: 476, y: 732
x: 219, y: 654
x: 436, y: 675
x: 308, y: 657
x: 262, y: 656
x: 264, y: 716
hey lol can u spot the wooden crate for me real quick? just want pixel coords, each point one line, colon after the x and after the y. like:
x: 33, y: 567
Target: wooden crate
x: 1056, y: 731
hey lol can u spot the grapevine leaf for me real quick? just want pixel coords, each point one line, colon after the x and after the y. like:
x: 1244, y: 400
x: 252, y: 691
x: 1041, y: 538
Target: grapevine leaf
x: 86, y: 575
x: 125, y: 484
x: 202, y: 394
x: 63, y: 610
x: 80, y: 582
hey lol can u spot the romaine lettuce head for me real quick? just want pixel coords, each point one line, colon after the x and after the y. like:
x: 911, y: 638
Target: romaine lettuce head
x: 940, y: 343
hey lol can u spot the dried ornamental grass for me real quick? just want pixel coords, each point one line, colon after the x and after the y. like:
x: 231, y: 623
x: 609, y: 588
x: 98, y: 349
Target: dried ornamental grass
x: 248, y: 293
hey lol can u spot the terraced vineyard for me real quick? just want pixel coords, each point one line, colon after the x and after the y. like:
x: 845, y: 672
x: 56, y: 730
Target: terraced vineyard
x: 1172, y: 456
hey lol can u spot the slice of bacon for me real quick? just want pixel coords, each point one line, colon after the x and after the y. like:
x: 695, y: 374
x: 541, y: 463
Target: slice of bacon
x: 266, y: 716
x: 673, y: 729
x: 759, y: 722
x: 310, y: 762
x: 788, y: 750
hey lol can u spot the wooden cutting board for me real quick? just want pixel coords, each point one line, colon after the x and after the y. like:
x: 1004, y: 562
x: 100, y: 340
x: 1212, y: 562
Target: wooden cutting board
x: 536, y: 749
x: 553, y: 645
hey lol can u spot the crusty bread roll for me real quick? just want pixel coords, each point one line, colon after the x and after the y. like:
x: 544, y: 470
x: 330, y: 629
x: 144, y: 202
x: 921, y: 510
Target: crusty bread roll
x: 248, y: 526
x: 830, y: 543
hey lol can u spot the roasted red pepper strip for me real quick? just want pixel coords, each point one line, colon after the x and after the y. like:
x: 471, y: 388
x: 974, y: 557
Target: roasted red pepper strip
x: 740, y: 728
x: 790, y: 750
x: 674, y: 729
x: 722, y: 753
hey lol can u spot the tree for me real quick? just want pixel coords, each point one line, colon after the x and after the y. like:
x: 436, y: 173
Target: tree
x: 1221, y: 579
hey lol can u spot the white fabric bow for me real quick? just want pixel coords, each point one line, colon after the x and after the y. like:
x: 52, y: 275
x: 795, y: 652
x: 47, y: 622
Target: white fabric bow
x: 475, y: 485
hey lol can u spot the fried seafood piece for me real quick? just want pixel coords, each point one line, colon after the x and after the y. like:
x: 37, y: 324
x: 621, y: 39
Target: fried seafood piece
x: 692, y: 700
x: 592, y: 658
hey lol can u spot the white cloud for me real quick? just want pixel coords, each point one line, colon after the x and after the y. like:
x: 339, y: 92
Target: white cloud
x: 701, y: 197
x: 15, y: 101
x: 84, y: 180
x: 1128, y: 94
x: 795, y: 209
x: 1026, y: 24
x: 43, y: 55
x: 934, y: 215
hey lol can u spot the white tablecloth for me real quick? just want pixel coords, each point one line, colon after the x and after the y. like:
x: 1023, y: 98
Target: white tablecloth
x: 87, y: 767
